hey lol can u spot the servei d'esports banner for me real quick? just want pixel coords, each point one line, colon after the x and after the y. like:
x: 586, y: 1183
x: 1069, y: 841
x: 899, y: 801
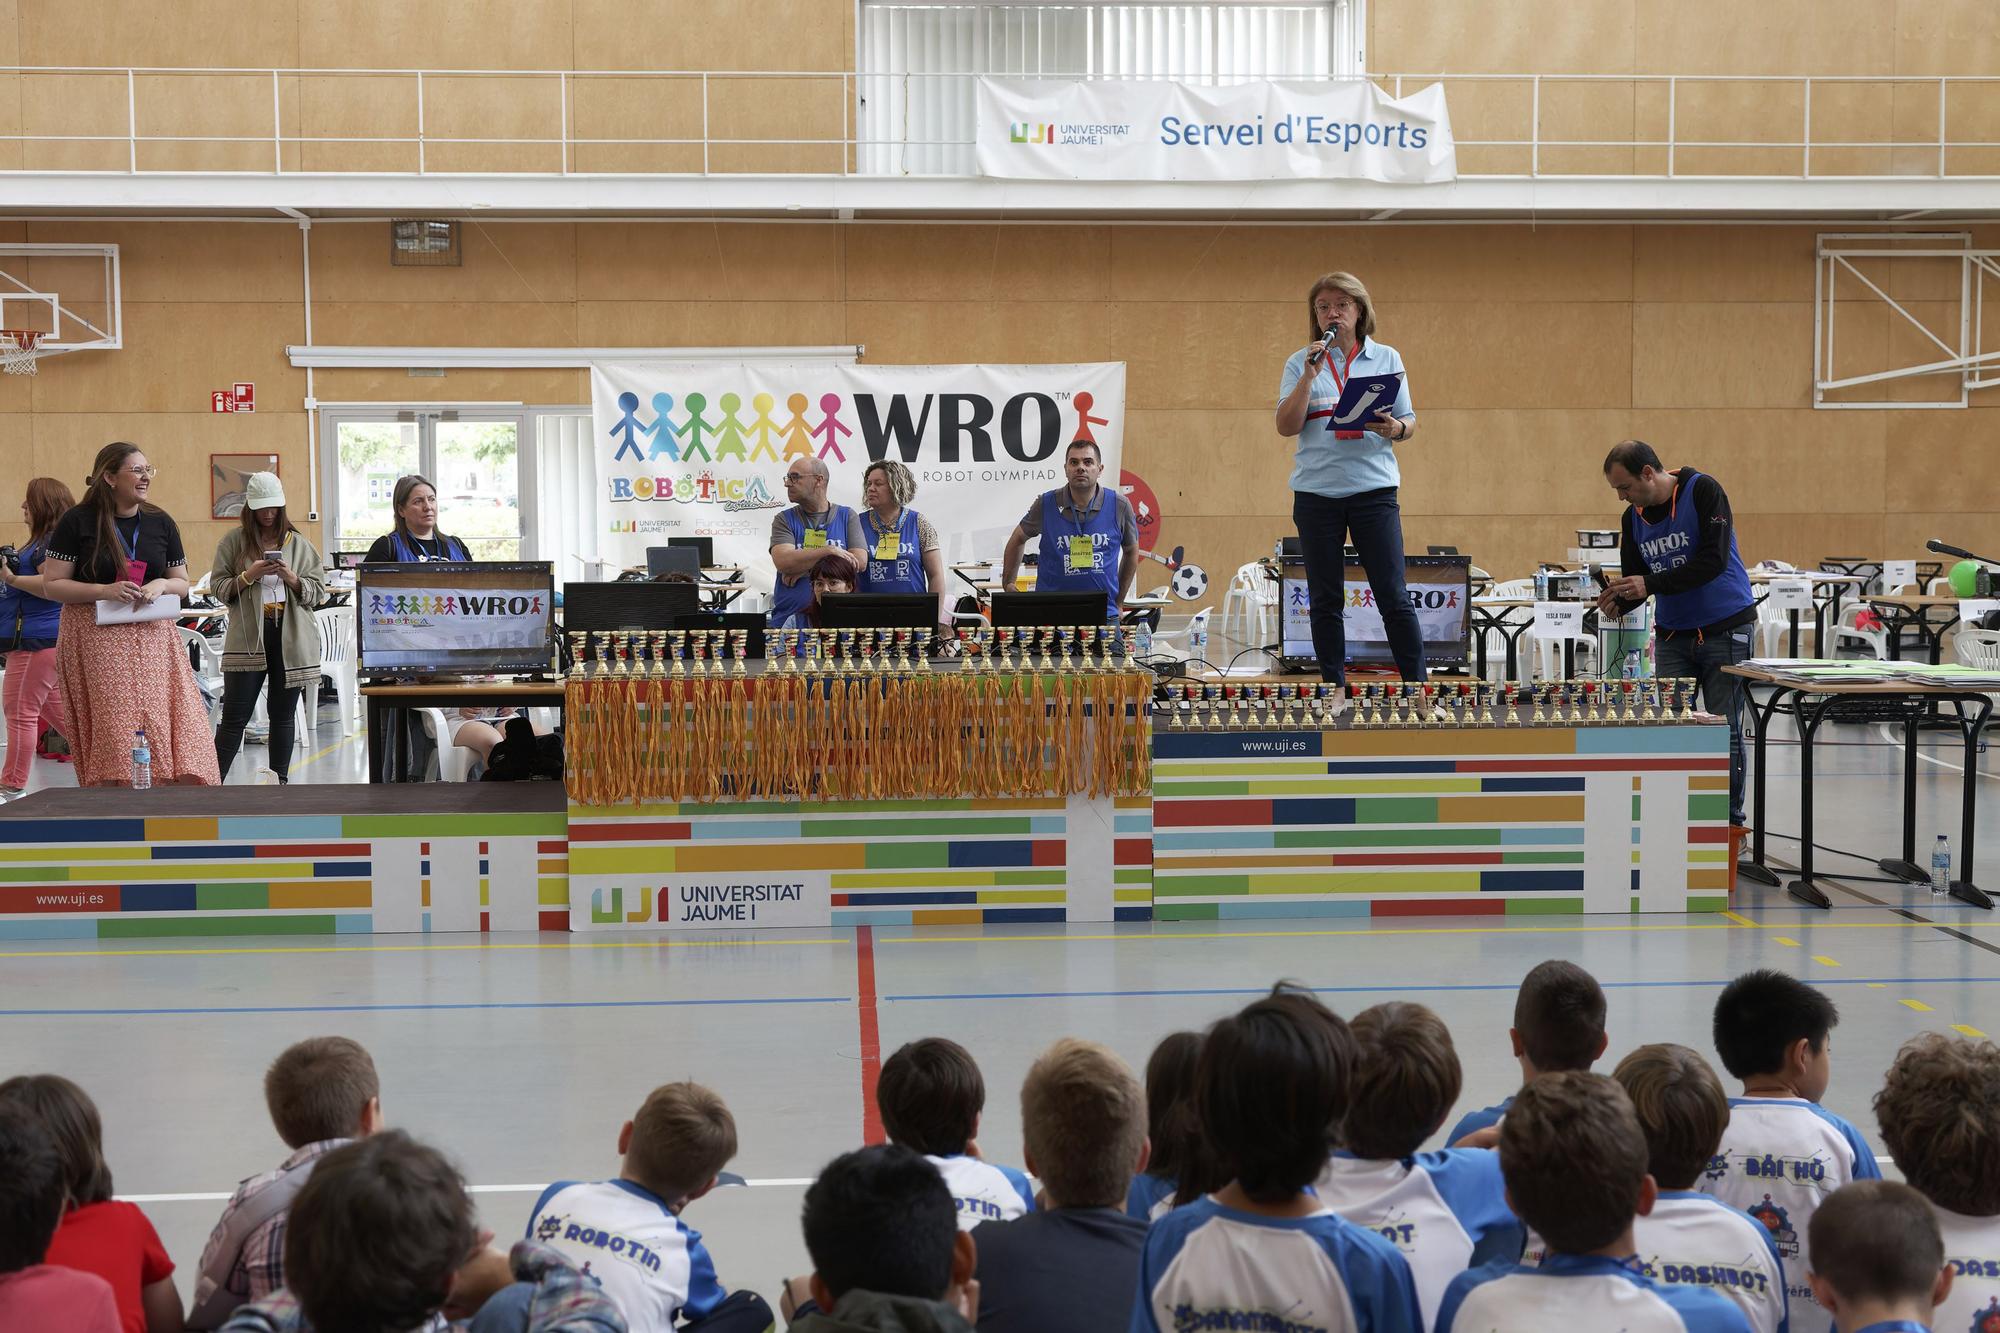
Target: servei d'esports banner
x: 700, y: 448
x: 1127, y: 130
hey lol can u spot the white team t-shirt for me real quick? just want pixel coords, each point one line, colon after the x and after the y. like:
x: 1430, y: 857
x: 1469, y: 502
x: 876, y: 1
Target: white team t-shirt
x: 1972, y: 1249
x: 1580, y: 1294
x: 1210, y: 1267
x: 985, y: 1192
x: 1695, y: 1239
x: 1434, y: 1208
x: 1780, y: 1157
x: 649, y: 1262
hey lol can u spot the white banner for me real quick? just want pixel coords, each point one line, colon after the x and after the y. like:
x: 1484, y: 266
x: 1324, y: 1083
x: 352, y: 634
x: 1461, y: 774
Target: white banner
x: 699, y: 449
x: 1062, y: 129
x: 428, y: 619
x: 1440, y: 609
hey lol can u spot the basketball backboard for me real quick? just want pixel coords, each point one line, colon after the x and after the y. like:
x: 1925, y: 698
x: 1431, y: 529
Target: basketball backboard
x: 70, y: 293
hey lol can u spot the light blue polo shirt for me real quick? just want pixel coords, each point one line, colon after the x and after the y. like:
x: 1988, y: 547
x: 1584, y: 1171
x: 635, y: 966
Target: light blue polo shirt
x: 1340, y: 468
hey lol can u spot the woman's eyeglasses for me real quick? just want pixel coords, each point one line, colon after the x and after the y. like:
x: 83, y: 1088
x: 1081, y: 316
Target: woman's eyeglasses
x: 141, y: 471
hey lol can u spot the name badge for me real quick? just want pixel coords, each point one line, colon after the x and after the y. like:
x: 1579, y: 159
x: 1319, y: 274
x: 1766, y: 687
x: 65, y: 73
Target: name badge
x: 1082, y: 554
x: 888, y: 546
x: 815, y: 537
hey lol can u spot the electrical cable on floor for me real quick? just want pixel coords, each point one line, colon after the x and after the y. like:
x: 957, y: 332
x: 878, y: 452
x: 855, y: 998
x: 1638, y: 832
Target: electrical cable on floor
x: 1835, y: 851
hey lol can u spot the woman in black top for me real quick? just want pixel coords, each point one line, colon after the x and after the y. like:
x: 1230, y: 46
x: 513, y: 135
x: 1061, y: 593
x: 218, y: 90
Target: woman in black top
x: 115, y: 550
x: 415, y: 537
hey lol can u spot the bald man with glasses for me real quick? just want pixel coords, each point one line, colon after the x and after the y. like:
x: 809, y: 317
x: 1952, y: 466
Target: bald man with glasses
x: 802, y: 535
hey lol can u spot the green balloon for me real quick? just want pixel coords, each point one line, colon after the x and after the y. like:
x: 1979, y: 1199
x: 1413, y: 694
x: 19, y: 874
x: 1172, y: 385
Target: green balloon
x: 1964, y: 576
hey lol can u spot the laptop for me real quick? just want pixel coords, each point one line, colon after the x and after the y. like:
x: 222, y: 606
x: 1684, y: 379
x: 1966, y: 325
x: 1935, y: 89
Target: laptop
x: 673, y: 559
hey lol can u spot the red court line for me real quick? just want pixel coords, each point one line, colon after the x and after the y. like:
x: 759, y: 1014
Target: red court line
x: 871, y: 1033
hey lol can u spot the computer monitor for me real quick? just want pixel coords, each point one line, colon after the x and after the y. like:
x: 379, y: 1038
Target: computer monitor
x: 609, y: 606
x: 1440, y: 587
x: 1442, y: 550
x: 702, y: 546
x: 349, y: 559
x: 748, y: 622
x: 878, y: 610
x: 1048, y: 608
x: 671, y: 559
x: 446, y: 618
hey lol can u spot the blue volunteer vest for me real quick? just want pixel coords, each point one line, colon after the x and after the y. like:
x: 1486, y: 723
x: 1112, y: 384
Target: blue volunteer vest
x: 1671, y: 543
x: 408, y: 553
x: 1052, y: 571
x: 903, y: 574
x: 790, y: 599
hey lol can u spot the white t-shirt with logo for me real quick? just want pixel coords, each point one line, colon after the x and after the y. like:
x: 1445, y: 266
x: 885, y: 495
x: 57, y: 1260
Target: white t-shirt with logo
x: 1210, y: 1267
x: 649, y: 1262
x: 1695, y: 1239
x: 1972, y: 1249
x: 1780, y: 1157
x: 985, y: 1192
x: 1434, y: 1208
x: 1572, y: 1293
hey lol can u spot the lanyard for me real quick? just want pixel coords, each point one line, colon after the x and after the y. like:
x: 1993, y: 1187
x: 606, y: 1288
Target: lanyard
x: 1078, y: 514
x: 131, y: 544
x: 1340, y: 373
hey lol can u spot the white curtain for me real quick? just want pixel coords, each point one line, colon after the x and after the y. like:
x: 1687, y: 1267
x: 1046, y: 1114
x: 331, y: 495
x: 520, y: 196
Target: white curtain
x: 566, y: 495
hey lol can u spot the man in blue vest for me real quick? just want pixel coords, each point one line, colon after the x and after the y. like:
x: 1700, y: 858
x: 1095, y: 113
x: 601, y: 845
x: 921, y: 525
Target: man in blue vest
x: 807, y: 533
x: 1679, y: 546
x: 1079, y: 525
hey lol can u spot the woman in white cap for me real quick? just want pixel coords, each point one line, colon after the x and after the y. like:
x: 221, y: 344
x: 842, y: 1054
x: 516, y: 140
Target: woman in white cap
x: 271, y: 579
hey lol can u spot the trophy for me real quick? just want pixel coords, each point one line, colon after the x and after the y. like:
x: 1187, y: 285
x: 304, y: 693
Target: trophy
x: 1003, y: 647
x: 1065, y: 637
x: 656, y: 647
x: 739, y: 648
x: 1687, y: 700
x: 1535, y: 694
x: 1513, y: 702
x: 576, y: 642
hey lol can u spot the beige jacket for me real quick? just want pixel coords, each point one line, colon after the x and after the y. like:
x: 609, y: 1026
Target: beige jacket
x: 243, y: 641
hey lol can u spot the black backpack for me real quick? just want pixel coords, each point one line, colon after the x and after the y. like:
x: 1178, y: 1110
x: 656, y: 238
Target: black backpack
x: 523, y: 756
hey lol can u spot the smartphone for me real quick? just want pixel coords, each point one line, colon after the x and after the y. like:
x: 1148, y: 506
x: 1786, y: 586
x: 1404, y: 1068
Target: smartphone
x: 275, y: 557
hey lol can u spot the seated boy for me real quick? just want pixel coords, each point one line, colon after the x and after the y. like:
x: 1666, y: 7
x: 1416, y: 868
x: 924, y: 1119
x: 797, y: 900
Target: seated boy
x: 887, y: 1249
x: 1263, y: 1251
x: 381, y: 1237
x: 1691, y: 1237
x: 1558, y: 1024
x: 1939, y: 1109
x: 322, y: 1092
x: 1878, y: 1260
x: 627, y: 1232
x: 35, y: 1295
x: 1074, y: 1263
x: 930, y: 1094
x: 1434, y: 1207
x: 1575, y: 1162
x: 1782, y: 1151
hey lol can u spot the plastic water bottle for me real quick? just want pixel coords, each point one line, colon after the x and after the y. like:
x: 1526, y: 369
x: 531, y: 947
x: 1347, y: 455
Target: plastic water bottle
x: 1941, y: 867
x: 1541, y: 584
x: 142, y: 761
x: 1631, y: 671
x: 1143, y: 645
x: 1198, y: 640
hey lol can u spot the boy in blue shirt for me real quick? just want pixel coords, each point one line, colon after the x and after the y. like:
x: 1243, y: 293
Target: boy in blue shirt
x: 1575, y: 1162
x: 1263, y: 1251
x: 1878, y: 1259
x: 1434, y: 1207
x: 1783, y: 1152
x: 1558, y: 1024
x: 931, y: 1094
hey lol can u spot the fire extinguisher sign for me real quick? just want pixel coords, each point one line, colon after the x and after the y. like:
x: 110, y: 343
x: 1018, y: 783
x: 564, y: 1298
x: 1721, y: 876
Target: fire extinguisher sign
x: 238, y: 397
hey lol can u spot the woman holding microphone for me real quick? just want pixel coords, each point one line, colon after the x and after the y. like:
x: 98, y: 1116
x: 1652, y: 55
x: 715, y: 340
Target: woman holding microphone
x: 1345, y: 480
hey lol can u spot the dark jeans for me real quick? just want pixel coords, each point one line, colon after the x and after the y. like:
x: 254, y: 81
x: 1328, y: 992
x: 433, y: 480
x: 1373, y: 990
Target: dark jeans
x: 239, y: 700
x: 507, y: 1312
x: 1376, y: 521
x: 1678, y: 653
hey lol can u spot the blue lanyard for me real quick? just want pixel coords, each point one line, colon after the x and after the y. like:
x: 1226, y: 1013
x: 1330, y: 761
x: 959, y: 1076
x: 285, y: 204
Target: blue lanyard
x: 1078, y: 515
x: 131, y: 544
x: 1896, y: 1326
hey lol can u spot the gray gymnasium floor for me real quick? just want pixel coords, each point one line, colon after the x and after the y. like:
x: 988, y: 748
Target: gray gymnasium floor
x: 523, y: 1054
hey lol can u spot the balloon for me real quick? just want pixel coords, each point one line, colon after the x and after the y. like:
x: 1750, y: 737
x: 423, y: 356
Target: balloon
x: 1964, y: 578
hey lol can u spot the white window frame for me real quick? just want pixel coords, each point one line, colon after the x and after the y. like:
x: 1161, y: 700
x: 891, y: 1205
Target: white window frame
x: 426, y: 417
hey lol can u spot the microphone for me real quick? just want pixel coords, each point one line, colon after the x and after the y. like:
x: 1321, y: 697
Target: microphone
x: 1945, y: 548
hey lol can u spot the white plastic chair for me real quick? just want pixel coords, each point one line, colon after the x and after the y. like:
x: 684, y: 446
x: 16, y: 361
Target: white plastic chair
x: 1979, y: 648
x: 1874, y: 642
x: 336, y: 656
x: 1178, y: 642
x: 208, y: 670
x: 453, y: 761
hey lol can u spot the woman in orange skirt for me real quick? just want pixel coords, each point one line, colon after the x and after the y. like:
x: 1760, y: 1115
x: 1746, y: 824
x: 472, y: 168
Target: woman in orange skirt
x: 115, y: 549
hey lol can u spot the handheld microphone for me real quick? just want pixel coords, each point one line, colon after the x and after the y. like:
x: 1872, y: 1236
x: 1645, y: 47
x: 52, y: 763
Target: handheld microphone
x: 1944, y: 548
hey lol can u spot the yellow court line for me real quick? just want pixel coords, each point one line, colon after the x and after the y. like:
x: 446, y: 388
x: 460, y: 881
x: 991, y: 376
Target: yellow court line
x: 1739, y: 919
x: 348, y: 739
x: 1824, y: 961
x: 415, y: 948
x: 1878, y: 985
x: 1917, y: 1005
x: 1967, y: 1029
x: 1788, y: 942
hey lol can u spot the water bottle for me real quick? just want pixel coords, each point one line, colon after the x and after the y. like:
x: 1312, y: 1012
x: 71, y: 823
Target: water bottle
x: 1631, y: 671
x: 1541, y: 584
x: 1144, y: 646
x: 142, y: 761
x: 1198, y: 639
x: 1941, y: 868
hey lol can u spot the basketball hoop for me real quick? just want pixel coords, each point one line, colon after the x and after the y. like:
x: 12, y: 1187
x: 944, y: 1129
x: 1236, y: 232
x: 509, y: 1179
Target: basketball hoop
x: 20, y: 349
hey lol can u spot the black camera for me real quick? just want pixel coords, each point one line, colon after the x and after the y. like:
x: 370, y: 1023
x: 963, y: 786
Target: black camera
x: 10, y: 558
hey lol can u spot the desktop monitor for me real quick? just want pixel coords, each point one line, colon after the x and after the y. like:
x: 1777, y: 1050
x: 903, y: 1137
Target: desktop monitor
x: 454, y: 618
x: 750, y: 623
x: 704, y: 547
x: 619, y: 606
x: 349, y: 559
x: 878, y: 610
x: 1048, y: 608
x: 673, y: 559
x: 1440, y: 587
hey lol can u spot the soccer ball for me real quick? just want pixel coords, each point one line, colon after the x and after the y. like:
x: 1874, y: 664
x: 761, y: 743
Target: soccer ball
x: 1189, y: 582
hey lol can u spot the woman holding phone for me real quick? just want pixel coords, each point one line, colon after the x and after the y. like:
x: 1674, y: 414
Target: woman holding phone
x: 121, y: 676
x: 271, y: 579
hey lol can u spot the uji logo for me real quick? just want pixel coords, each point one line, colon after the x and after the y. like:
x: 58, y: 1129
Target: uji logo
x: 1031, y: 131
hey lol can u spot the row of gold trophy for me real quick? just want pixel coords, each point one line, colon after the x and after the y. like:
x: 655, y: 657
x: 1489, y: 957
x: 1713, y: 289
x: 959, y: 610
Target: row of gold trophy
x: 1566, y: 703
x: 658, y: 654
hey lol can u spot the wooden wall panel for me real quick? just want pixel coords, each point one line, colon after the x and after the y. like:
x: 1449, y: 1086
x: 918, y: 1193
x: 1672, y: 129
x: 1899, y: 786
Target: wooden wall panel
x: 711, y: 324
x: 176, y: 355
x: 1556, y: 36
x: 387, y: 34
x: 1946, y: 37
x: 708, y: 261
x: 1723, y: 354
x: 712, y: 34
x: 517, y: 261
x: 1770, y: 37
x: 183, y: 33
x: 979, y: 263
x: 445, y: 324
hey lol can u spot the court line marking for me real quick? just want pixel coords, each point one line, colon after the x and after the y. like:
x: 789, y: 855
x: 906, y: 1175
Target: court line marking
x: 1388, y: 988
x: 1824, y: 961
x: 425, y: 1008
x: 475, y: 947
x: 224, y: 1196
x: 1966, y: 1029
x: 1917, y: 1005
x: 871, y: 1034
